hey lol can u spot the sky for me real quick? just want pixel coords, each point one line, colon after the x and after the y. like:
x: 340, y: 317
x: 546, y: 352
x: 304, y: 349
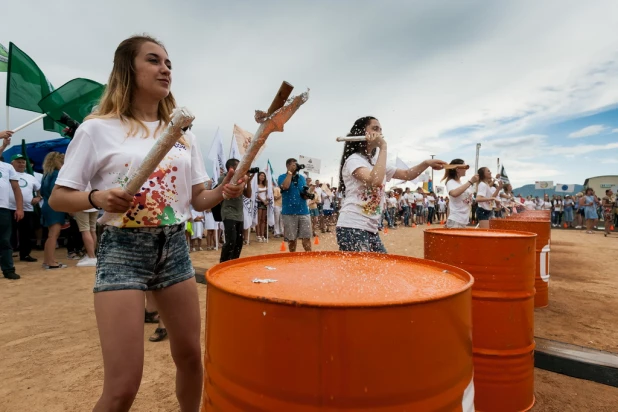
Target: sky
x: 535, y: 83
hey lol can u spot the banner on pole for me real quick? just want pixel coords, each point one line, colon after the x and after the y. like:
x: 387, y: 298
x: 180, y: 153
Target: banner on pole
x: 544, y: 185
x: 311, y: 164
x: 563, y: 188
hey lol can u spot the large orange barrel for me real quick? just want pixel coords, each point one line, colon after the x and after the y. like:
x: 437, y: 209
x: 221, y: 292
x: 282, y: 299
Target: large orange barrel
x: 338, y: 332
x: 502, y: 264
x: 542, y: 228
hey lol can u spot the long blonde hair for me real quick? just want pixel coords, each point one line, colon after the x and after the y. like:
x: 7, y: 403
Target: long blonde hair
x: 51, y: 162
x: 120, y: 90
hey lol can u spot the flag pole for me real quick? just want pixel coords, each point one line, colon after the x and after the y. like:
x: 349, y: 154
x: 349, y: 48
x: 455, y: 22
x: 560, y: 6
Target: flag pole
x: 7, y: 118
x: 36, y: 119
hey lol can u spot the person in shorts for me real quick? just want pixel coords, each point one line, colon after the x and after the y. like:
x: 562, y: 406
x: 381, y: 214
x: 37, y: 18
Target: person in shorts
x: 295, y: 212
x: 143, y: 246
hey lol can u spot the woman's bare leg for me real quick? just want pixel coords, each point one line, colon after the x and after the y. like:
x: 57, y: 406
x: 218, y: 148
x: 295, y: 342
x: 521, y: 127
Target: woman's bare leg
x: 120, y: 319
x: 50, y: 244
x: 180, y: 309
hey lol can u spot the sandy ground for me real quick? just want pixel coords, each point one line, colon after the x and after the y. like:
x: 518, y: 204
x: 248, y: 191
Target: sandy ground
x: 51, y: 358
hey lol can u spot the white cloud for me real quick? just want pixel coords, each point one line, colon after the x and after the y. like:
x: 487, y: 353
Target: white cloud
x: 615, y: 131
x: 611, y: 161
x: 588, y: 131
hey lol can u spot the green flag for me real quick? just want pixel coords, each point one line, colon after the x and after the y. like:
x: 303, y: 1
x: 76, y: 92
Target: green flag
x: 75, y: 98
x: 26, y: 85
x: 4, y: 59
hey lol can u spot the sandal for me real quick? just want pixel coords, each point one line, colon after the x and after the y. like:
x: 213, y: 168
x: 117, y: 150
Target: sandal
x: 151, y: 317
x: 159, y: 335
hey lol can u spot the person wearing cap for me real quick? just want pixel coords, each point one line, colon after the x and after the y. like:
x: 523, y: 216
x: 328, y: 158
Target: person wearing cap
x: 23, y: 230
x: 9, y: 182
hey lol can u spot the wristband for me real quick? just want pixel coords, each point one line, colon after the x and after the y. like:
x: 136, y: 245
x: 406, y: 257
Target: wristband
x: 90, y: 199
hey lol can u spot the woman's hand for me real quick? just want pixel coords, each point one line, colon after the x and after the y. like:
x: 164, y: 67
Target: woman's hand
x: 115, y: 200
x: 475, y: 179
x: 376, y: 139
x: 229, y: 190
x: 435, y: 164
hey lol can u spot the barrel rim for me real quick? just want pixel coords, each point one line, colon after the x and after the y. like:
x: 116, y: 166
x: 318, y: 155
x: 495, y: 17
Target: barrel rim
x: 519, y: 234
x: 460, y: 273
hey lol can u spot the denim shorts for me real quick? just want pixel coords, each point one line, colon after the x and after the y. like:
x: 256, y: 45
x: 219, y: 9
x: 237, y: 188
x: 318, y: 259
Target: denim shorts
x: 357, y: 240
x: 142, y: 258
x: 483, y: 214
x: 314, y: 212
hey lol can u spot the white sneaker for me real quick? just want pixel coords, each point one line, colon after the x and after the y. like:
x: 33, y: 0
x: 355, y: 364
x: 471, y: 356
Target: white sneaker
x: 87, y: 262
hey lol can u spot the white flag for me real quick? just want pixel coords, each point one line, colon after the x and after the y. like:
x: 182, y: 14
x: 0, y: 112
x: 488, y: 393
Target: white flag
x: 254, y: 190
x: 270, y: 195
x: 563, y: 188
x: 215, y: 154
x: 234, y: 151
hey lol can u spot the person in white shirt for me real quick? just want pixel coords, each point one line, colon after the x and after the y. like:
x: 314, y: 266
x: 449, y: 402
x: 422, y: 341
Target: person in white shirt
x: 23, y: 231
x: 441, y: 209
x: 404, y: 204
x: 419, y: 200
x: 327, y: 206
x: 362, y: 176
x: 486, y: 196
x: 143, y: 246
x: 460, y: 195
x: 530, y: 204
x: 431, y: 207
x: 9, y: 182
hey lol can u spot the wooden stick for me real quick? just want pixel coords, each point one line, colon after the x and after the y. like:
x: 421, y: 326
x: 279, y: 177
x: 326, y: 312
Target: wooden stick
x: 449, y: 167
x: 181, y: 119
x: 273, y: 122
x: 282, y: 96
x: 352, y: 139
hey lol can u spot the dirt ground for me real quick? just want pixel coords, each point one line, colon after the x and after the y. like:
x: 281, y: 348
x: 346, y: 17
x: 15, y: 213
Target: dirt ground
x: 51, y: 358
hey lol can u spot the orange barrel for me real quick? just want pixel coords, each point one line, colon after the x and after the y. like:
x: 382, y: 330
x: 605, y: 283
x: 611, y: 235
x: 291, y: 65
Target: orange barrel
x: 502, y: 264
x: 542, y: 228
x: 541, y: 213
x: 335, y: 331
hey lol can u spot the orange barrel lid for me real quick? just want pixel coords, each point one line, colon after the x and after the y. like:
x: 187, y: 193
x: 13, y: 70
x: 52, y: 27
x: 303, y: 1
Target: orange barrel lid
x: 339, y: 279
x: 480, y: 233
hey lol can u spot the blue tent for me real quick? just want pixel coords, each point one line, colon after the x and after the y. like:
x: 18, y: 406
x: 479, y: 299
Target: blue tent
x: 37, y: 151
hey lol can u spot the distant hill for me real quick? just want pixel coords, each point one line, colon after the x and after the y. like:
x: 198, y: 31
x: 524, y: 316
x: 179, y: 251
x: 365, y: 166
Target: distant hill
x: 529, y: 190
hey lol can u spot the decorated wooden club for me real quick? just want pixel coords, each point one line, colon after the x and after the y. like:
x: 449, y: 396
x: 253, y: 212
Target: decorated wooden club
x: 273, y: 120
x: 181, y: 120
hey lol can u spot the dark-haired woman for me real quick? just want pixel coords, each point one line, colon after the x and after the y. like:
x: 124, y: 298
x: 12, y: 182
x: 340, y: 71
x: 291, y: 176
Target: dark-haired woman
x: 486, y: 195
x: 459, y: 195
x: 362, y: 176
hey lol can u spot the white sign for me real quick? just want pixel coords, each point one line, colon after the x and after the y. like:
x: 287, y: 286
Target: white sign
x: 544, y: 185
x: 439, y: 190
x: 311, y: 164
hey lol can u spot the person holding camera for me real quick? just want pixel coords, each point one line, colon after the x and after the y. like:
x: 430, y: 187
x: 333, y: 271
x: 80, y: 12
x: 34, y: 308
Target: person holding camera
x: 362, y: 176
x: 295, y: 212
x: 232, y: 213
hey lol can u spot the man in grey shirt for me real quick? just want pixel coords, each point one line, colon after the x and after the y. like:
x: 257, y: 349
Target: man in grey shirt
x: 233, y: 217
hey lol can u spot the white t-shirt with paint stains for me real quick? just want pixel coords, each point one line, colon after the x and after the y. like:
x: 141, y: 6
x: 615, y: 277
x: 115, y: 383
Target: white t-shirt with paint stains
x: 362, y: 205
x: 101, y: 154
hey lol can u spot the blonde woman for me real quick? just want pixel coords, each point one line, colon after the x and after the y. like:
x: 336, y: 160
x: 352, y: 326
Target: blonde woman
x: 143, y: 246
x: 51, y: 219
